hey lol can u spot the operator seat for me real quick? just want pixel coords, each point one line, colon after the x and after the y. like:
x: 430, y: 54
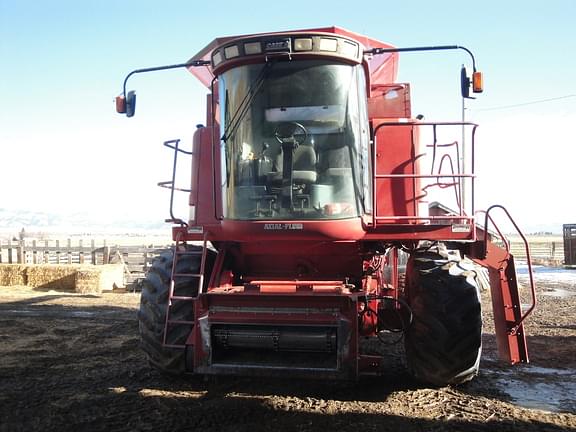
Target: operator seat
x: 303, y: 163
x: 336, y: 168
x: 336, y: 161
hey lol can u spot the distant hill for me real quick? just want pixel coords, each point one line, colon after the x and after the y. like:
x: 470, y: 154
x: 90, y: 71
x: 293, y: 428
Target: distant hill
x: 37, y: 220
x: 15, y: 220
x: 544, y: 229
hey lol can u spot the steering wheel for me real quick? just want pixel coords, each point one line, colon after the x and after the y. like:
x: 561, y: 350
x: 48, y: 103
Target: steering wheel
x: 288, y: 130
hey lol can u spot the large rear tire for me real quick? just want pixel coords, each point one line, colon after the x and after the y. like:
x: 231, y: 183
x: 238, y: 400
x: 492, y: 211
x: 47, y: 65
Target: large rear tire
x: 153, y: 306
x: 444, y: 342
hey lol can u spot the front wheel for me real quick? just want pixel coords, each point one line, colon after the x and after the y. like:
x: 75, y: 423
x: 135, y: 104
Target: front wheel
x: 153, y: 308
x: 443, y: 344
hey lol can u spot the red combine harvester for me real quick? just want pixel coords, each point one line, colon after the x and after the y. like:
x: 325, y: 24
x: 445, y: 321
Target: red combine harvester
x: 311, y: 181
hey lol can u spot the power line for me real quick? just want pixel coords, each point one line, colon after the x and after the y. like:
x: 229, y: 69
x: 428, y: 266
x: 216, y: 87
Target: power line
x: 526, y: 103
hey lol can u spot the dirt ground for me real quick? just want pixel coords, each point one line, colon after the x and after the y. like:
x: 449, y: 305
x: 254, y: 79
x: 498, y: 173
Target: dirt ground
x: 72, y: 362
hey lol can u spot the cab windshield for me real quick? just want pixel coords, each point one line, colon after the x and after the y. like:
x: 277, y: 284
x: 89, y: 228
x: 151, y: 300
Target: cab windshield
x: 292, y: 133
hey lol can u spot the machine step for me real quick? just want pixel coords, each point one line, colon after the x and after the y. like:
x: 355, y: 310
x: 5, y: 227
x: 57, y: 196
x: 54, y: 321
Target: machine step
x: 506, y: 304
x: 180, y: 322
x: 180, y: 250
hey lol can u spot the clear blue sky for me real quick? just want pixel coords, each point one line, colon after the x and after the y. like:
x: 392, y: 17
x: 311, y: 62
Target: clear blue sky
x: 63, y: 148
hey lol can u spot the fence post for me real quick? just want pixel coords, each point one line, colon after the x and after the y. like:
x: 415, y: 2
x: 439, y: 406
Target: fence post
x: 106, y: 257
x: 20, y: 252
x: 93, y: 251
x: 81, y: 253
x: 69, y: 251
x: 46, y: 253
x: 34, y: 253
x: 10, y: 253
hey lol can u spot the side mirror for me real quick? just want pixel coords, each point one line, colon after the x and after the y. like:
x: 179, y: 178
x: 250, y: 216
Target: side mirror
x: 126, y: 105
x: 464, y: 83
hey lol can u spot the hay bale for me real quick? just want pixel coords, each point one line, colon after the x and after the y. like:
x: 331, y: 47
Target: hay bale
x: 52, y: 276
x: 85, y: 279
x: 12, y: 274
x: 95, y: 279
x: 111, y: 276
x: 88, y: 281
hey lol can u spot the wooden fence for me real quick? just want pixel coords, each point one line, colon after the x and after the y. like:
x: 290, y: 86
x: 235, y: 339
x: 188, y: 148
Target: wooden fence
x: 136, y: 259
x: 542, y: 251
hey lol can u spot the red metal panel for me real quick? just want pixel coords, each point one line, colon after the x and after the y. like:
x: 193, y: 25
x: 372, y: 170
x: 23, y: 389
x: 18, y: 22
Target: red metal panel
x: 389, y: 101
x: 203, y: 194
x: 413, y: 232
x: 397, y: 161
x: 340, y: 229
x: 295, y: 260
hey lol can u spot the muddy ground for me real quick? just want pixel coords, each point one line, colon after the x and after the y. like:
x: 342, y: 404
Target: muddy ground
x: 72, y: 362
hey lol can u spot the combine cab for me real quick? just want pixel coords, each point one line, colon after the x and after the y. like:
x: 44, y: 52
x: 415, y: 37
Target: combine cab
x: 310, y: 181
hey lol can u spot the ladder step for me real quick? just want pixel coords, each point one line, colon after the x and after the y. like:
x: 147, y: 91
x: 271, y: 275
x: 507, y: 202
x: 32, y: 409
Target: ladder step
x: 184, y: 298
x: 174, y: 346
x: 187, y: 274
x: 178, y: 252
x: 180, y: 322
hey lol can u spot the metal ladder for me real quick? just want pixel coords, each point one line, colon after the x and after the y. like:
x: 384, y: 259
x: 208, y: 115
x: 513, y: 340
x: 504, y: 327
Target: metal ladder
x: 508, y: 314
x: 180, y: 251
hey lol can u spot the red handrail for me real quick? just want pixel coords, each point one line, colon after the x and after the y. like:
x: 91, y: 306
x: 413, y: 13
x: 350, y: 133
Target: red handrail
x: 528, y: 258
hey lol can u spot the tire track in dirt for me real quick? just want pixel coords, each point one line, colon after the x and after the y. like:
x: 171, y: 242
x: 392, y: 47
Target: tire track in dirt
x: 62, y: 371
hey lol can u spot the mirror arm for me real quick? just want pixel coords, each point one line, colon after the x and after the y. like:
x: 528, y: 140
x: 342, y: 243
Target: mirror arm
x: 376, y: 51
x: 193, y: 63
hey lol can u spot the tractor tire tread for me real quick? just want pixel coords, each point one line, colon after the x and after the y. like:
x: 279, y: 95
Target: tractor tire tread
x: 443, y: 344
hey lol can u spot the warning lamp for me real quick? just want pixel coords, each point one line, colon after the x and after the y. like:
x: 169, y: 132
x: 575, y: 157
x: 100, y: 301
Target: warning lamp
x: 121, y: 104
x: 477, y: 82
x: 126, y: 104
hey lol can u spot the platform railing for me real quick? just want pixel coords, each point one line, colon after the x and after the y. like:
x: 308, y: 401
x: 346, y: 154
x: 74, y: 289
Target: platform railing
x: 171, y: 184
x: 451, y: 166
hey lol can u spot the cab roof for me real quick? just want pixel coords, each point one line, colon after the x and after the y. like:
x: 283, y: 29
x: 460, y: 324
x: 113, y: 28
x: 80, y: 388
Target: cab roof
x: 382, y: 68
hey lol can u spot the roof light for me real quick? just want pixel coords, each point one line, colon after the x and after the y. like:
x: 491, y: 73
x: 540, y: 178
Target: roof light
x: 231, y: 51
x: 328, y: 44
x: 252, y: 48
x: 350, y: 49
x: 217, y: 58
x: 303, y: 44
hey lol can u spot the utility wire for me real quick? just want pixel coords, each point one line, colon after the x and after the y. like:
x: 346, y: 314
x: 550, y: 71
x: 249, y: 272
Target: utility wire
x: 525, y: 103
